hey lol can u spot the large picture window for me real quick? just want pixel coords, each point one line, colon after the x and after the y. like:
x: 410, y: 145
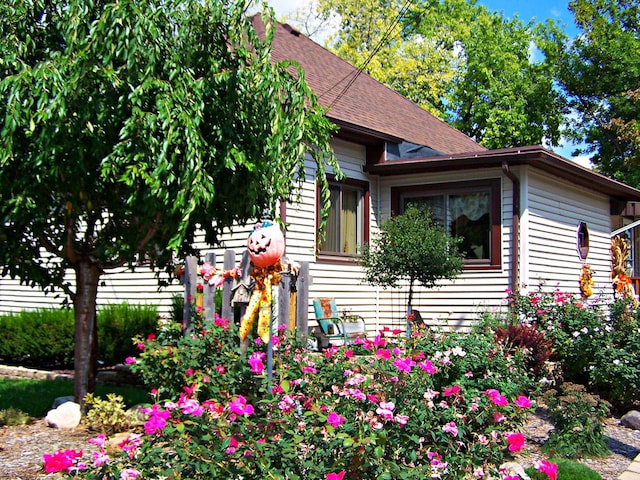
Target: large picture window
x: 346, y: 229
x: 469, y: 210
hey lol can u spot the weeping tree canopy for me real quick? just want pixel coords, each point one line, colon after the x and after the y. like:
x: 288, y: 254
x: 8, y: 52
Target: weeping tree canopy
x: 128, y: 126
x: 412, y: 247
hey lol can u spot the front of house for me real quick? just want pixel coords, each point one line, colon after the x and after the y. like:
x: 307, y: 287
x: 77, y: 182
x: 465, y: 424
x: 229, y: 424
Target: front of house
x: 526, y: 214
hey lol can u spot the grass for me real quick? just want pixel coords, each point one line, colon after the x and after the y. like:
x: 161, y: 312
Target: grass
x: 35, y: 397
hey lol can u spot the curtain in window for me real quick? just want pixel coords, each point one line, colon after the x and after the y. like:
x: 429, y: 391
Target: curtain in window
x: 349, y: 226
x: 332, y: 232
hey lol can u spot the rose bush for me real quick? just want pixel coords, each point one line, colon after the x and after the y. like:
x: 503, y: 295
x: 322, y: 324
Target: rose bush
x: 596, y: 344
x: 437, y: 405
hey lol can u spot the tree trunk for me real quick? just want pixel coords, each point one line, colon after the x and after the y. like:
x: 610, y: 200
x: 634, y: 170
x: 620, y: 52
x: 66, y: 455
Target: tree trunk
x: 409, y: 306
x: 86, y: 329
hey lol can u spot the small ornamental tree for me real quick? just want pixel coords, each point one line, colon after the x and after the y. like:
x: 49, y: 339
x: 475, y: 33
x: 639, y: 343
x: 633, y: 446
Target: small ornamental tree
x: 412, y: 247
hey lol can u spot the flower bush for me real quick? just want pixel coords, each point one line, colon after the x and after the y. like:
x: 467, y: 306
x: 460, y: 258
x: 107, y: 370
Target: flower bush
x: 437, y: 405
x: 597, y: 345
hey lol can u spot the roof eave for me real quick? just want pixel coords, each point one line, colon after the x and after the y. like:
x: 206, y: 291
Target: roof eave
x: 535, y: 156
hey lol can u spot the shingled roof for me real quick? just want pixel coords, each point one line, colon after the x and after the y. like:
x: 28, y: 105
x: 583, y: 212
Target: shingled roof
x: 357, y: 102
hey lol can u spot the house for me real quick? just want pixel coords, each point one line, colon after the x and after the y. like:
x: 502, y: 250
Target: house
x: 527, y: 215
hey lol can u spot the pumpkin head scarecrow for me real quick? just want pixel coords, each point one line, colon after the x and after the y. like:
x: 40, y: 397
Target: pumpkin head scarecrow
x: 265, y: 247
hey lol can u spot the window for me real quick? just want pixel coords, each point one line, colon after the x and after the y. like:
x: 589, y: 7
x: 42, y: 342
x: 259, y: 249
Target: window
x: 347, y: 227
x: 470, y: 210
x: 583, y: 241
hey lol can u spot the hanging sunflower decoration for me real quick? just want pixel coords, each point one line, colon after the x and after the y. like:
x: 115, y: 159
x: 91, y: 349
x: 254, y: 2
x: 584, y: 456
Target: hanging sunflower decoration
x: 586, y: 281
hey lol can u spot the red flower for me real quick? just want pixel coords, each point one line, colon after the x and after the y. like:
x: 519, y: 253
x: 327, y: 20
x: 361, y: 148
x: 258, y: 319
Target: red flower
x: 61, y: 460
x: 516, y: 441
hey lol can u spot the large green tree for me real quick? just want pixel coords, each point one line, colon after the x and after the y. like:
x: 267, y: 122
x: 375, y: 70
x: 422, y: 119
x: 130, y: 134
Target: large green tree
x: 601, y: 74
x: 130, y: 125
x: 489, y: 76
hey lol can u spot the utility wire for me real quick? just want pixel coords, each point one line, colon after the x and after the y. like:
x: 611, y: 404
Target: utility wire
x: 381, y: 43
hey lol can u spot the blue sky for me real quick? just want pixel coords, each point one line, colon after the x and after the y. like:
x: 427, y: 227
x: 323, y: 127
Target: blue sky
x: 526, y: 10
x: 539, y: 9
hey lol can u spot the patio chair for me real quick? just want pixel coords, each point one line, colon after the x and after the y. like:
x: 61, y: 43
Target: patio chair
x: 331, y: 324
x: 328, y: 319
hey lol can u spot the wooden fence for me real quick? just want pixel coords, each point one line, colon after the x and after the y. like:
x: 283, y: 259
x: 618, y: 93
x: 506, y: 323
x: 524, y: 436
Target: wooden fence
x: 290, y: 297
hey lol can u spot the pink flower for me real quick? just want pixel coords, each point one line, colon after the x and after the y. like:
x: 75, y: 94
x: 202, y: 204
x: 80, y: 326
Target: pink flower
x: 157, y: 419
x: 129, y: 360
x: 129, y: 474
x: 402, y: 420
x: 548, y: 468
x: 516, y: 441
x: 99, y: 441
x: 100, y: 457
x: 404, y: 364
x: 335, y: 420
x: 336, y: 476
x: 233, y: 446
x: 427, y: 366
x: 451, y: 428
x: 131, y: 444
x: 188, y: 372
x: 498, y: 417
x: 522, y: 402
x: 495, y: 396
x: 61, y: 460
x: 256, y: 362
x: 385, y: 410
x: 207, y: 270
x: 240, y: 407
x: 450, y: 391
x: 384, y: 353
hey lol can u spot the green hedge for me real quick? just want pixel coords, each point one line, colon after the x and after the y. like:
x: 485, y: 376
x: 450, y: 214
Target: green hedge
x: 44, y: 337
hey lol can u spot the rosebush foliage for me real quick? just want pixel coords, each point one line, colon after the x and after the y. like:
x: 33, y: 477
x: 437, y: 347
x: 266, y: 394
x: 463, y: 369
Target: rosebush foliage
x: 437, y: 405
x: 597, y: 345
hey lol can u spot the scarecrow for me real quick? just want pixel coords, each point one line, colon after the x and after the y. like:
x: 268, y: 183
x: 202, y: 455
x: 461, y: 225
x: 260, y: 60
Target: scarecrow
x: 265, y: 247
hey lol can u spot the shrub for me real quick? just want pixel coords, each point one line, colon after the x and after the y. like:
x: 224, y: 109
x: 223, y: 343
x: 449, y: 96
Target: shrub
x: 44, y: 338
x: 596, y: 345
x: 107, y: 416
x: 440, y: 404
x: 13, y: 416
x: 118, y: 324
x: 537, y: 348
x: 567, y: 470
x: 578, y: 418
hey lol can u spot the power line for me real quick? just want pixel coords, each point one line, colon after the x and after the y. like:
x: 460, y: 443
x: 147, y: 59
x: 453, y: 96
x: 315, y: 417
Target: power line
x: 381, y: 43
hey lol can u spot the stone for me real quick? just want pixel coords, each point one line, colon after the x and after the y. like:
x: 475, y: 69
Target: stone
x: 631, y: 420
x: 65, y: 417
x: 514, y: 468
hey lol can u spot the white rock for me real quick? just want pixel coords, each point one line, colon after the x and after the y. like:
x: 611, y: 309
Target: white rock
x: 66, y: 416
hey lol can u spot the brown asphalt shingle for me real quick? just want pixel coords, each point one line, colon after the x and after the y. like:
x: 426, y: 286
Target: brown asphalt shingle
x: 366, y: 102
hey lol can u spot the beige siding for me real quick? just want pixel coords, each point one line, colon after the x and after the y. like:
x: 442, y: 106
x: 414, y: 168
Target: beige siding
x: 554, y: 211
x: 551, y: 212
x: 456, y: 303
